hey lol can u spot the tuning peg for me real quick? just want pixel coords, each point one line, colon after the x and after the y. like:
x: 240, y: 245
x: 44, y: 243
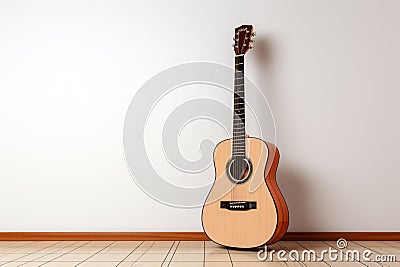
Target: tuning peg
x: 253, y: 34
x: 233, y: 38
x: 233, y: 45
x: 250, y: 46
x: 252, y: 40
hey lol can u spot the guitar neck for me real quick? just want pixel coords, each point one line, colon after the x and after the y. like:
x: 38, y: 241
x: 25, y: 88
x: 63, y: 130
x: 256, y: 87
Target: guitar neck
x: 239, y: 144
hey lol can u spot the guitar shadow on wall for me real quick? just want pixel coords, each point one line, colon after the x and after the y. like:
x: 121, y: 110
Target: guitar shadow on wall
x: 291, y: 179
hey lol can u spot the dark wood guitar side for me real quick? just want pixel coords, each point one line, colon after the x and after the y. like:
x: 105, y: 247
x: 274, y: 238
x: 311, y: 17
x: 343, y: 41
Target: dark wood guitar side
x: 281, y: 207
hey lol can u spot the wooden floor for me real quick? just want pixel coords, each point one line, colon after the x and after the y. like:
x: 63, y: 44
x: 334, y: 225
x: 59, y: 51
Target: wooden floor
x: 171, y: 253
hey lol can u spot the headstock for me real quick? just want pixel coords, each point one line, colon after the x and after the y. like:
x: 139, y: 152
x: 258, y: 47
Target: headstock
x: 243, y: 39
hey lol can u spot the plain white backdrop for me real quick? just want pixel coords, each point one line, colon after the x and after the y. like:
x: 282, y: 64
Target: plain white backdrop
x: 69, y: 69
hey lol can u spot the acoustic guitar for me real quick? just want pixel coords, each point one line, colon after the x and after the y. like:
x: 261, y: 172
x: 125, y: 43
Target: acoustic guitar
x: 245, y: 208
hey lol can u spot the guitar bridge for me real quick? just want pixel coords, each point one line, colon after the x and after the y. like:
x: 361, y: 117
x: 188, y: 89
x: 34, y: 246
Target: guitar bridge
x: 238, y: 205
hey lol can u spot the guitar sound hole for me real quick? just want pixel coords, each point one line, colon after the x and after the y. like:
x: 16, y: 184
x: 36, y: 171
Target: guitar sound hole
x: 239, y: 169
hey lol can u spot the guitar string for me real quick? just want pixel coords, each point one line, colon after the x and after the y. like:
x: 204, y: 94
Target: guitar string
x: 238, y: 144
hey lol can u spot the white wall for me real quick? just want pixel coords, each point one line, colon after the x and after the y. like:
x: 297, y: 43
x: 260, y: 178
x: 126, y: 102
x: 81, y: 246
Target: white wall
x: 69, y: 69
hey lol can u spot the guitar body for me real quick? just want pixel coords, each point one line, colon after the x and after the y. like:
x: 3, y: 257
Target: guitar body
x: 266, y: 223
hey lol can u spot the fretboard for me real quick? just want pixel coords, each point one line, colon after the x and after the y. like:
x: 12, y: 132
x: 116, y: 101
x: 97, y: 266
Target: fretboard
x: 239, y: 145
